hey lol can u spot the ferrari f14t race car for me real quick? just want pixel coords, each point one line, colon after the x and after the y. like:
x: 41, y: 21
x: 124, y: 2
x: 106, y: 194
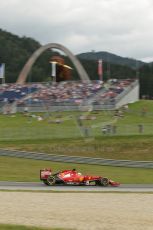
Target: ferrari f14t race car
x: 72, y: 177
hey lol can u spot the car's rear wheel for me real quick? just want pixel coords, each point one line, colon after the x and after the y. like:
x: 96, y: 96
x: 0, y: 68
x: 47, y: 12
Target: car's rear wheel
x: 51, y: 180
x: 104, y: 181
x: 45, y: 182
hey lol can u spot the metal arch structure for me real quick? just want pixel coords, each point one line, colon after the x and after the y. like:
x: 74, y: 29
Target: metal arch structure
x: 27, y: 67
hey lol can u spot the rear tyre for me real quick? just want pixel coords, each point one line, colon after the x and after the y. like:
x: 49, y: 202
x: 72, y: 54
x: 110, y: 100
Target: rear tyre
x: 104, y: 182
x: 45, y: 182
x: 50, y: 180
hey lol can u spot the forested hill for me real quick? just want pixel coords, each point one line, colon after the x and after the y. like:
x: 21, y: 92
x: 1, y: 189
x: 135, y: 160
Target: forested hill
x: 15, y: 51
x: 112, y: 58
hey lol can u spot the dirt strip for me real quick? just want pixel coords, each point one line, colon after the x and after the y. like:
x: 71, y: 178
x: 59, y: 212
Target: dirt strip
x: 81, y: 211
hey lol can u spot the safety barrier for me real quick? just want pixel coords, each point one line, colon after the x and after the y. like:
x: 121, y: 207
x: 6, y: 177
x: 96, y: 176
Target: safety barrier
x: 76, y: 159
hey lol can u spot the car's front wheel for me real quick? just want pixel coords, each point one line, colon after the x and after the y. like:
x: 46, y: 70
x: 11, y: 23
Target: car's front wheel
x: 104, y: 181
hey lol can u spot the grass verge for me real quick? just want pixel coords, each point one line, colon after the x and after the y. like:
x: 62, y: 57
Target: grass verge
x: 21, y: 227
x: 17, y: 169
x: 127, y: 148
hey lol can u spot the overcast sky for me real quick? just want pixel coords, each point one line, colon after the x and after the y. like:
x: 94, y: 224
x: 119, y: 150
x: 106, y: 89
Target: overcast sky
x: 122, y: 27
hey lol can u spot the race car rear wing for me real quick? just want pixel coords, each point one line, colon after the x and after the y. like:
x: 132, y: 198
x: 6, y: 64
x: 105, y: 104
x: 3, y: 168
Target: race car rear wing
x: 45, y: 173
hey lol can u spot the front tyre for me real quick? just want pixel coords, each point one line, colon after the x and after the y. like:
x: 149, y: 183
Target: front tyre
x: 50, y: 181
x: 104, y: 182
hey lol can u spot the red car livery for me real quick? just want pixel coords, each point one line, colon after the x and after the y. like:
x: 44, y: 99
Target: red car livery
x: 72, y: 177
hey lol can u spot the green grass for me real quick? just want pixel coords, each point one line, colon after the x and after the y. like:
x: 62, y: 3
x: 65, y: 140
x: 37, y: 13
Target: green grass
x: 131, y: 147
x: 21, y: 227
x: 23, y: 132
x: 26, y: 133
x: 16, y: 169
x: 23, y: 127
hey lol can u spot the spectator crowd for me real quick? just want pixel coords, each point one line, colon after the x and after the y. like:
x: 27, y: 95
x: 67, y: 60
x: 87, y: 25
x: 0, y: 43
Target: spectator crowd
x: 63, y: 93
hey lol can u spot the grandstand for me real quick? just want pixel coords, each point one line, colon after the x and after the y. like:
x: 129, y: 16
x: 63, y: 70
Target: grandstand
x: 69, y: 95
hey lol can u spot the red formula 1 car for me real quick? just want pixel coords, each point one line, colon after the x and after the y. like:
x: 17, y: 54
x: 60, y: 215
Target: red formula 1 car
x: 72, y: 177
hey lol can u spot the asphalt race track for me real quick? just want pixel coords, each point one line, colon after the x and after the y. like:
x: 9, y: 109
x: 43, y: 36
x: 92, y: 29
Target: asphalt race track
x: 39, y: 186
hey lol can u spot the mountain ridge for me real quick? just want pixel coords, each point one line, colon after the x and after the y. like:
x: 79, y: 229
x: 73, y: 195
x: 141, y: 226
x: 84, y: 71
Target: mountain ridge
x: 112, y: 58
